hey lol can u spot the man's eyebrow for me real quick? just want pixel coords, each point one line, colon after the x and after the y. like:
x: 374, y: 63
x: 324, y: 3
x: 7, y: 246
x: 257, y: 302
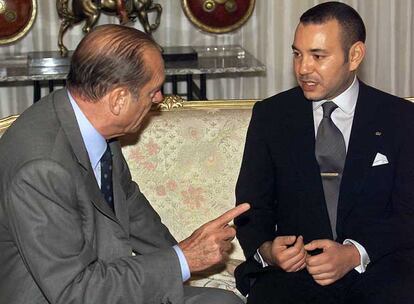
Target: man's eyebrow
x: 294, y: 48
x: 318, y: 51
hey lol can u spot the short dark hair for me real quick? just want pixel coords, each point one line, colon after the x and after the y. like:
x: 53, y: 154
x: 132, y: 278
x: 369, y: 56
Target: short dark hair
x: 108, y: 57
x: 351, y: 23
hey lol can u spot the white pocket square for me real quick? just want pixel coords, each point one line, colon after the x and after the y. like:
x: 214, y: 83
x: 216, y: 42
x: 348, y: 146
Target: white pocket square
x: 380, y: 159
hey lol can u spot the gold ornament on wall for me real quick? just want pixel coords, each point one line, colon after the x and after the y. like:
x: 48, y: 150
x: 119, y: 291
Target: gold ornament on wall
x: 218, y: 16
x: 88, y: 11
x: 16, y: 19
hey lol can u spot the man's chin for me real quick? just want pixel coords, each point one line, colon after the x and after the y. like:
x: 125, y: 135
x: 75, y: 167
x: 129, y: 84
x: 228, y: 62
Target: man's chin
x: 313, y: 96
x: 310, y: 94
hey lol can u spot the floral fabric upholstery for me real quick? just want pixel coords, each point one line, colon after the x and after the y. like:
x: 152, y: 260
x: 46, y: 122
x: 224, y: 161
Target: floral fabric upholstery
x: 186, y: 163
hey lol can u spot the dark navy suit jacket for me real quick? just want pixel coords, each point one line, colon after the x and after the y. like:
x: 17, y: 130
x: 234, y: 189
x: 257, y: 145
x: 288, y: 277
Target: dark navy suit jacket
x: 280, y: 178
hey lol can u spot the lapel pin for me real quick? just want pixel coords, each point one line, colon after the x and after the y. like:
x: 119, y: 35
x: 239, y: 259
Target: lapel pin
x: 378, y: 133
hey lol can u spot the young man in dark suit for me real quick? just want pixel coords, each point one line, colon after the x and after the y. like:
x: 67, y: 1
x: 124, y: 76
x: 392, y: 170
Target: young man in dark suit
x: 328, y: 171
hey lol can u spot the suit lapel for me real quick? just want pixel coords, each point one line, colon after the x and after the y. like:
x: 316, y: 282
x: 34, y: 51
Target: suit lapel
x: 70, y: 127
x: 299, y: 125
x: 121, y: 209
x: 361, y: 149
x: 97, y: 198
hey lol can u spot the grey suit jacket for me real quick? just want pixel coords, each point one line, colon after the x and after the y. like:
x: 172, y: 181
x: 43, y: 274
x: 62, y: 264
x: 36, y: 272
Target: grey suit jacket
x: 59, y: 240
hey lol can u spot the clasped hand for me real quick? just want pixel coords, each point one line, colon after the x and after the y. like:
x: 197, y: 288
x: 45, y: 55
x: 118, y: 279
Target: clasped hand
x: 291, y: 254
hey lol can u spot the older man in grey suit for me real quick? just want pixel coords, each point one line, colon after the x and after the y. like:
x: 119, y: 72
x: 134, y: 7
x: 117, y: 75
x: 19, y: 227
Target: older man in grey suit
x: 69, y: 233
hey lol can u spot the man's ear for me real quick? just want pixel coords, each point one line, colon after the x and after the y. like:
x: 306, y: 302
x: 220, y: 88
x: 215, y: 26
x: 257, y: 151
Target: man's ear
x: 356, y: 55
x: 118, y: 99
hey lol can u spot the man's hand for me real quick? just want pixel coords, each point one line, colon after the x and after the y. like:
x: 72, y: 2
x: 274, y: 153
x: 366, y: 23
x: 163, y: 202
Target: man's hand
x: 333, y: 263
x: 210, y: 244
x: 286, y: 252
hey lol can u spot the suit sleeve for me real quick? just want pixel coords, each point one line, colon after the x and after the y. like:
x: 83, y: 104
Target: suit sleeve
x: 47, y: 226
x: 255, y: 185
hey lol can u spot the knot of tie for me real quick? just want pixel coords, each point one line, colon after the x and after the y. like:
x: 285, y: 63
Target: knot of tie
x: 328, y: 108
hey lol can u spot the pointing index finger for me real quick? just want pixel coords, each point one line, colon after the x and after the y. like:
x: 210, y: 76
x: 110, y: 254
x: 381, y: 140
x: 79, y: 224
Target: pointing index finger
x: 229, y: 215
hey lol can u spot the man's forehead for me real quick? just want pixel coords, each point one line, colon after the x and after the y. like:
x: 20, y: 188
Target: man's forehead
x: 327, y: 21
x: 315, y: 33
x: 331, y: 25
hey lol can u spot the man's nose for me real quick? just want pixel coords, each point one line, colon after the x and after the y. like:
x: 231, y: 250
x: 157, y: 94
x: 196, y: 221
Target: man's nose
x: 305, y: 66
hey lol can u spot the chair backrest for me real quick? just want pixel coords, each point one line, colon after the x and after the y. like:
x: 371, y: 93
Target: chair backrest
x: 187, y: 160
x: 6, y: 122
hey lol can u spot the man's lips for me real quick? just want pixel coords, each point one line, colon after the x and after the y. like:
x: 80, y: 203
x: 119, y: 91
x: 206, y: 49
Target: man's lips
x: 308, y: 85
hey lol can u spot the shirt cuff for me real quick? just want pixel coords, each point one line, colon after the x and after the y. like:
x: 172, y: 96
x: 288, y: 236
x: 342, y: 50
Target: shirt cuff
x: 258, y: 257
x: 362, y: 252
x: 185, y: 270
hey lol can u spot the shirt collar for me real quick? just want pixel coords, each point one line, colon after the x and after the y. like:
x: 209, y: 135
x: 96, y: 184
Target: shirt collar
x: 346, y: 101
x: 94, y: 142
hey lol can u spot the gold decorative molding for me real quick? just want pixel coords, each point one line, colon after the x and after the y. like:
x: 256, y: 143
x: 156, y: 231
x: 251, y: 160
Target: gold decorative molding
x: 174, y: 102
x: 25, y: 29
x: 7, y: 122
x: 220, y: 104
x: 170, y: 102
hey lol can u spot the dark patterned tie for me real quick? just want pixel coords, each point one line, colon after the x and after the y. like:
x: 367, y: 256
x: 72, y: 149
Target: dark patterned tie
x: 330, y: 152
x: 106, y: 177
